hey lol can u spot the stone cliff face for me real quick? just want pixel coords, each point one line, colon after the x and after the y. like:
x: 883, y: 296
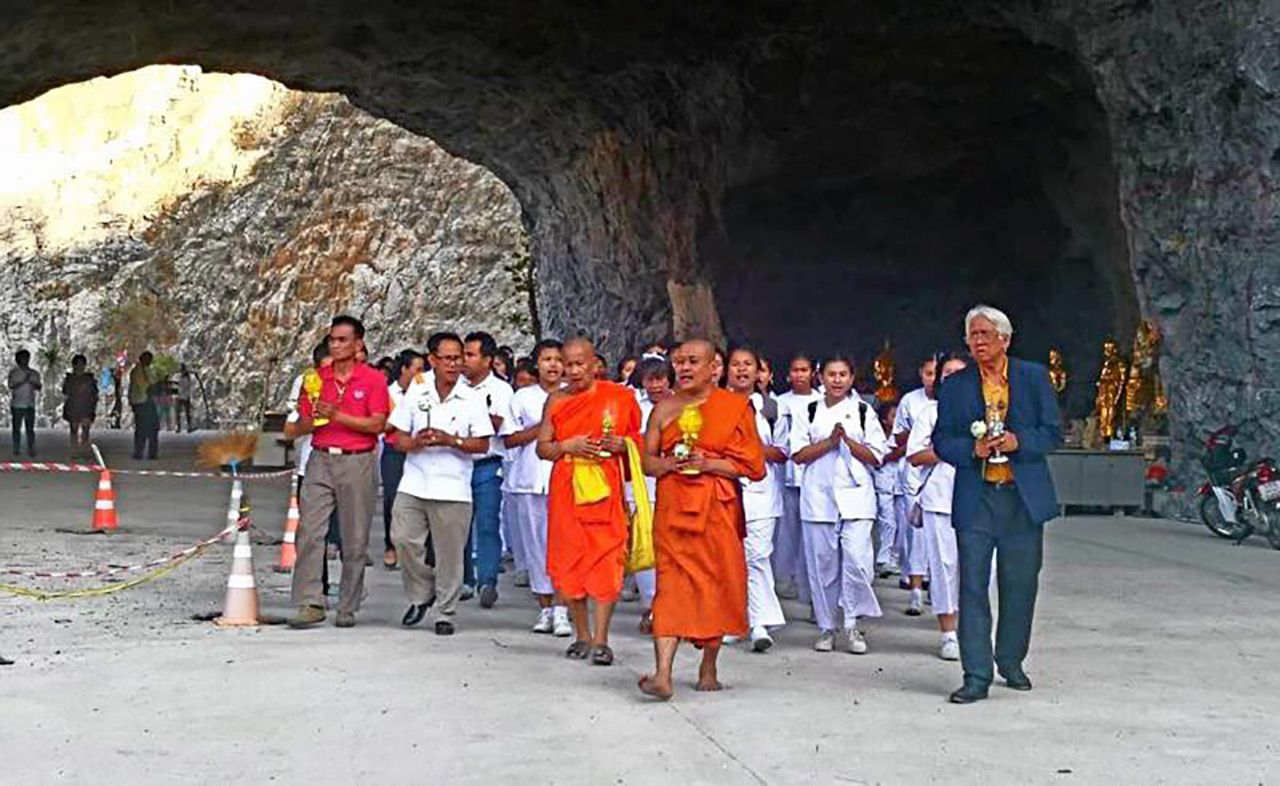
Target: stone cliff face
x: 224, y: 220
x: 1083, y: 162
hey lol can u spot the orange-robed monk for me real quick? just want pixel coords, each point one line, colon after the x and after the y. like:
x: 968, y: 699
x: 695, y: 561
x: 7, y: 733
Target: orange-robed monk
x: 583, y: 431
x: 698, y: 523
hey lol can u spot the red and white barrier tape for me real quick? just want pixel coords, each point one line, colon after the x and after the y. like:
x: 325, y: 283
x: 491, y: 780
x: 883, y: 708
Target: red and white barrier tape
x: 52, y: 466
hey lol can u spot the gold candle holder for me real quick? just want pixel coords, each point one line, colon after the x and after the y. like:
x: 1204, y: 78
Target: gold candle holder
x: 312, y: 385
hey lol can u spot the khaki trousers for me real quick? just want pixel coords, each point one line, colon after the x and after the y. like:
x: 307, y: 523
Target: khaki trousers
x: 449, y: 525
x: 347, y: 482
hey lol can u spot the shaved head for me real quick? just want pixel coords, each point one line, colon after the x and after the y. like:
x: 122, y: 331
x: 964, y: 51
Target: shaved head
x: 579, y: 363
x: 695, y: 365
x: 584, y: 343
x: 698, y: 345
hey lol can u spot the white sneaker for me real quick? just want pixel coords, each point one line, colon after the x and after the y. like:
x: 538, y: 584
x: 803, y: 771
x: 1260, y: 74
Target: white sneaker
x: 915, y: 606
x: 545, y: 622
x: 521, y: 579
x: 760, y: 639
x: 950, y: 649
x: 730, y: 640
x: 826, y: 641
x: 560, y: 625
x: 857, y: 642
x: 629, y: 594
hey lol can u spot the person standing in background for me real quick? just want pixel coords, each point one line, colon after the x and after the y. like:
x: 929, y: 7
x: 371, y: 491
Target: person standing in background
x: 185, y: 389
x: 80, y: 402
x: 146, y: 419
x: 405, y: 370
x: 480, y: 381
x: 24, y: 384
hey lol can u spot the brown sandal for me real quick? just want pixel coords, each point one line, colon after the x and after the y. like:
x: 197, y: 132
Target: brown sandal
x: 579, y: 650
x: 646, y: 622
x: 602, y: 656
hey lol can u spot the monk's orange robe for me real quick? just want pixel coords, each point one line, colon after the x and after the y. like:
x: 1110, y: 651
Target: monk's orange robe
x: 586, y: 544
x: 698, y: 528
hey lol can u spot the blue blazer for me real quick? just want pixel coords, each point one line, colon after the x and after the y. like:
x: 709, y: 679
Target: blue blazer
x: 1032, y: 417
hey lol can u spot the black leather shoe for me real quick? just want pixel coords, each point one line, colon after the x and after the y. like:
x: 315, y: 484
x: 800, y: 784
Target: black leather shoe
x: 444, y: 628
x: 414, y: 615
x: 488, y: 596
x: 1016, y: 679
x: 966, y: 695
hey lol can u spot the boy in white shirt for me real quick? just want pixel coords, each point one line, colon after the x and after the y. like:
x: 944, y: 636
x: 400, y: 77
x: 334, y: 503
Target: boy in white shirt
x: 839, y: 448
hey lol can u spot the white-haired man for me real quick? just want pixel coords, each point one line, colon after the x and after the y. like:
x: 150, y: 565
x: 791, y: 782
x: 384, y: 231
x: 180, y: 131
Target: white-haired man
x: 999, y: 505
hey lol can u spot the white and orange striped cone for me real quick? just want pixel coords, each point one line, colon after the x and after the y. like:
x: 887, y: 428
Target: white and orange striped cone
x: 288, y: 548
x: 241, y: 606
x: 104, y: 505
x: 233, y: 507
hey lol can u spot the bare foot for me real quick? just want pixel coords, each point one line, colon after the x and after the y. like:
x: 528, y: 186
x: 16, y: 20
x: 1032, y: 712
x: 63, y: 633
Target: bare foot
x: 708, y: 684
x: 650, y: 686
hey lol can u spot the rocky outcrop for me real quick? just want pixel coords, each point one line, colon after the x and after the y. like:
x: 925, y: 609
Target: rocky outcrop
x: 1115, y: 154
x: 223, y: 220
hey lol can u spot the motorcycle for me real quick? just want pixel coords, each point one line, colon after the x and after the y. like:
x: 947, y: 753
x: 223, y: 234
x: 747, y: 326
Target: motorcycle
x: 1241, y: 497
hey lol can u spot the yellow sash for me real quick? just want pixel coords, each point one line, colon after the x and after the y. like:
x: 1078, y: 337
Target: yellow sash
x: 589, y: 482
x: 640, y: 549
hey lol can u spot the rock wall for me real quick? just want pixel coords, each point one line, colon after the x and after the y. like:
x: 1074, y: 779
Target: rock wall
x: 224, y: 219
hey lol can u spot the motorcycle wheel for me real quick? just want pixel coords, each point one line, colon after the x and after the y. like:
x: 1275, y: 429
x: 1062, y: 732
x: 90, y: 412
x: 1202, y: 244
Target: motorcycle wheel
x: 1272, y: 520
x: 1212, y: 517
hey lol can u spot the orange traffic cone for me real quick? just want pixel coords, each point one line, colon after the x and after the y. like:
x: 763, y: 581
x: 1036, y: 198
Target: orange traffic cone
x: 104, y: 505
x: 288, y: 551
x: 241, y: 606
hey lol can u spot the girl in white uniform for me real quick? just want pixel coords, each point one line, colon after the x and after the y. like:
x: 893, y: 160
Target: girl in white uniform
x: 839, y: 447
x: 888, y: 486
x: 911, y: 555
x: 761, y: 500
x: 656, y: 380
x: 932, y: 480
x: 788, y: 554
x: 527, y: 483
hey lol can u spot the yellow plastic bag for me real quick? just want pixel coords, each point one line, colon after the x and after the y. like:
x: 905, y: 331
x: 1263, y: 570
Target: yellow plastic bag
x: 589, y: 482
x: 640, y: 549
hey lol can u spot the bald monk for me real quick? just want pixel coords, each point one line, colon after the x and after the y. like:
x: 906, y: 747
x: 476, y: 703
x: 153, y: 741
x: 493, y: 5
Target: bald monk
x: 698, y: 524
x: 587, y: 538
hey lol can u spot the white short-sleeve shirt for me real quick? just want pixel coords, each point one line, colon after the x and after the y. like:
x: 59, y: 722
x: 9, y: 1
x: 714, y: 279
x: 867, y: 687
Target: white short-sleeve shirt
x: 762, y: 499
x: 301, y: 444
x: 909, y: 409
x: 838, y: 486
x: 796, y: 408
x: 527, y: 473
x: 440, y: 473
x: 496, y: 395
x: 933, y: 484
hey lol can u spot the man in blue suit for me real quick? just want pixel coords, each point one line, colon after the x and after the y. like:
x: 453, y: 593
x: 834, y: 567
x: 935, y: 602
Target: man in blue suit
x: 997, y: 506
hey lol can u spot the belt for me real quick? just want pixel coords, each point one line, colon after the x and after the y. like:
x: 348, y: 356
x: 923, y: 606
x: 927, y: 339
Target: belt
x: 487, y: 460
x: 344, y: 452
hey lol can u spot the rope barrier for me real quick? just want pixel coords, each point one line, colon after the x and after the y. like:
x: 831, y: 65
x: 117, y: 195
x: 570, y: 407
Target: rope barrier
x: 156, y: 569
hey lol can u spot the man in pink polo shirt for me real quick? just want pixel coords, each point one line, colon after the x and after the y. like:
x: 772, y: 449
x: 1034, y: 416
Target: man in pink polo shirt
x: 352, y: 406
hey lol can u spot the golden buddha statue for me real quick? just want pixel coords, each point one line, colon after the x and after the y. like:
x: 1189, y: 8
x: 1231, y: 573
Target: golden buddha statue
x: 1057, y: 372
x: 1140, y: 390
x: 1110, y: 385
x: 883, y: 368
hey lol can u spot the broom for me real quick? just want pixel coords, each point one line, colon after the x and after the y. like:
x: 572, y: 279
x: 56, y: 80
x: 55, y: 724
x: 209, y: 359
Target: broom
x: 231, y: 449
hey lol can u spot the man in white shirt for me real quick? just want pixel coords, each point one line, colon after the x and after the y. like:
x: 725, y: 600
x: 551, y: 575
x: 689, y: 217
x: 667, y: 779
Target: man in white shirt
x: 839, y: 448
x: 788, y: 545
x: 24, y: 383
x: 911, y: 557
x: 440, y: 426
x: 479, y: 349
x: 527, y: 484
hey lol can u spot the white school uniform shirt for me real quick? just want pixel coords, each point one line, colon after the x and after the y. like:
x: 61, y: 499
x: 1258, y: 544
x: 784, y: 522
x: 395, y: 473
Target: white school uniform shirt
x: 650, y: 482
x: 762, y: 499
x: 440, y: 473
x: 938, y: 480
x: 496, y: 395
x: 838, y: 486
x: 527, y: 473
x: 301, y: 444
x: 909, y: 409
x: 797, y: 409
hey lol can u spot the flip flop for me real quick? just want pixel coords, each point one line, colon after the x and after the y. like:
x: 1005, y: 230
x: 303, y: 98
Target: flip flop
x: 602, y: 656
x: 579, y: 650
x: 646, y: 623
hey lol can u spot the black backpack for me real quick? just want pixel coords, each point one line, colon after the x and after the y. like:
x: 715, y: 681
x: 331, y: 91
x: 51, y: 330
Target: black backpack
x: 862, y: 412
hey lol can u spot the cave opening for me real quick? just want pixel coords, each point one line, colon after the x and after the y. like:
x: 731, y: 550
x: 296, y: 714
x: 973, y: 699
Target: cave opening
x: 910, y: 172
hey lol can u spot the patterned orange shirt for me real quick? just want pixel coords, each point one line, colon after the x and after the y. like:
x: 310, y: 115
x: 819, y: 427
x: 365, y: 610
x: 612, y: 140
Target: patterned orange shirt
x: 995, y: 394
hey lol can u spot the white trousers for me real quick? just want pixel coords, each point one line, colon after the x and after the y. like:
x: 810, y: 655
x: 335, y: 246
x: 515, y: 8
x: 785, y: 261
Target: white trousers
x: 911, y: 555
x: 763, y: 608
x: 840, y: 561
x: 511, y: 538
x: 647, y: 585
x: 886, y: 529
x: 788, y: 544
x: 944, y: 563
x: 531, y: 528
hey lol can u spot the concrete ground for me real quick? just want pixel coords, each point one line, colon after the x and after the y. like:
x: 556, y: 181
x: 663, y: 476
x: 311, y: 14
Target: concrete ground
x: 1155, y: 660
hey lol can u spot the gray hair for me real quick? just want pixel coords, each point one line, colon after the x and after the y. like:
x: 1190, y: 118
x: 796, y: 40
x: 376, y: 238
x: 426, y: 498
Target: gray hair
x: 993, y: 315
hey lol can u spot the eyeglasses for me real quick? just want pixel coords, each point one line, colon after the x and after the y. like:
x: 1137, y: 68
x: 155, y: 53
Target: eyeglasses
x: 982, y: 334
